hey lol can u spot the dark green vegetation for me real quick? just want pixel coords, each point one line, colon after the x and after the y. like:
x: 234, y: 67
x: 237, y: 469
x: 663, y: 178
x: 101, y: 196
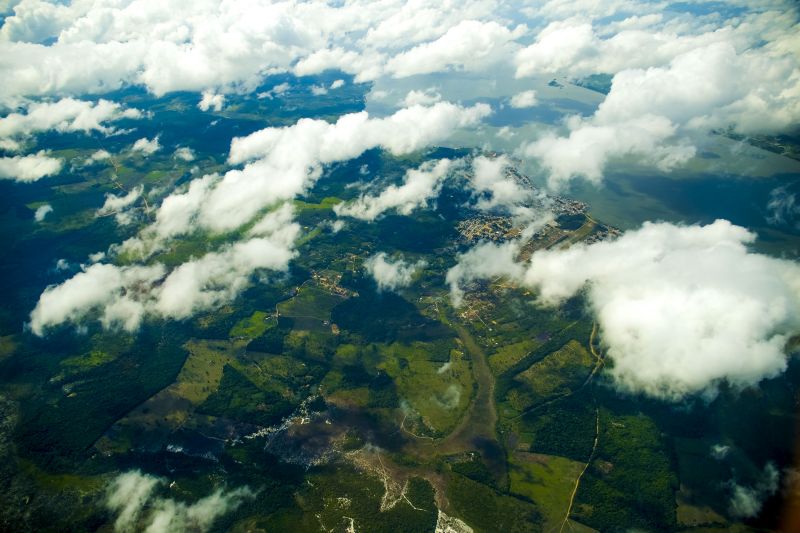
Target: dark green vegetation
x: 486, y: 509
x: 237, y: 398
x: 631, y: 453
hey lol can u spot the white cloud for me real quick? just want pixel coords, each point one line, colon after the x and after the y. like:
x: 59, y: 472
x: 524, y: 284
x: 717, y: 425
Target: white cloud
x: 99, y: 155
x: 117, y: 205
x: 471, y: 44
x: 146, y: 146
x: 416, y: 21
x: 29, y: 168
x: 185, y: 153
x: 680, y: 309
x: 121, y: 296
x: 524, y: 99
x: 486, y: 260
x: 277, y: 90
x: 114, y: 293
x: 178, y: 211
x: 489, y: 175
x: 319, y: 90
x: 35, y: 21
x: 211, y: 100
x: 42, y: 211
x: 295, y: 153
x: 218, y: 277
x: 419, y: 186
x: 336, y: 84
x: 651, y: 113
x: 169, y: 516
x: 10, y: 145
x: 127, y: 496
x: 720, y: 451
x: 391, y: 275
x: 505, y: 133
x: 427, y: 97
x: 131, y: 496
x: 573, y: 47
x: 365, y: 67
x: 589, y: 147
x: 65, y: 115
x: 746, y: 501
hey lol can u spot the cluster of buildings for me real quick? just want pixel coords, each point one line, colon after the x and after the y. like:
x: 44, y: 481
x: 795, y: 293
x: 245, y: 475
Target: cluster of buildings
x: 487, y: 228
x: 329, y: 280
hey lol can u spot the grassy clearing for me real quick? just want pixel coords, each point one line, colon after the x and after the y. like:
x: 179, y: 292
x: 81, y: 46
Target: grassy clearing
x: 485, y: 509
x: 439, y: 392
x: 510, y: 354
x: 88, y: 360
x: 202, y: 372
x: 580, y: 234
x: 251, y: 327
x: 326, y: 203
x: 310, y: 302
x: 547, y: 480
x: 63, y: 482
x: 558, y: 374
x: 7, y: 346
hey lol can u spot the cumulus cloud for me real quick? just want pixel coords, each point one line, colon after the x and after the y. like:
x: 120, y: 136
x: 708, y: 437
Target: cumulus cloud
x: 146, y: 146
x: 218, y: 277
x: 415, y: 21
x: 169, y: 515
x: 524, y: 99
x: 391, y: 275
x: 419, y: 186
x: 29, y: 168
x: 574, y: 47
x: 280, y: 163
x: 652, y: 113
x: 746, y: 501
x: 132, y: 497
x: 99, y: 155
x: 117, y: 294
x: 127, y: 496
x: 121, y: 296
x: 486, y: 260
x: 177, y: 212
x: 337, y: 84
x: 681, y: 308
x: 208, y: 45
x: 468, y: 45
x: 495, y: 186
x: 185, y: 153
x: 277, y: 90
x: 42, y: 211
x: 65, y: 115
x: 720, y: 451
x: 426, y: 97
x: 589, y: 147
x: 211, y: 100
x: 365, y: 67
x: 97, y: 48
x: 117, y: 205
